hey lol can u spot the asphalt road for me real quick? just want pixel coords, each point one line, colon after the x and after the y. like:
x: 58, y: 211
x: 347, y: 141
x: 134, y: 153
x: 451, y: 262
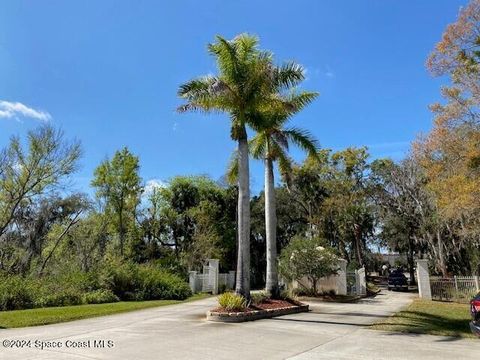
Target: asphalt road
x: 329, y: 331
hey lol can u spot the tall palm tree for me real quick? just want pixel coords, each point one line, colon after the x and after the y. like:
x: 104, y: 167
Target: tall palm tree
x: 271, y: 144
x: 246, y: 82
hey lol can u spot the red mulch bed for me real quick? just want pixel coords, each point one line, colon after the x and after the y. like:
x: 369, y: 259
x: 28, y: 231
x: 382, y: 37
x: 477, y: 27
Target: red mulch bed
x: 268, y: 304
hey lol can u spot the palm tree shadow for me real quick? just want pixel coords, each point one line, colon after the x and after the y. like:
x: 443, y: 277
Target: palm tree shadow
x: 417, y: 322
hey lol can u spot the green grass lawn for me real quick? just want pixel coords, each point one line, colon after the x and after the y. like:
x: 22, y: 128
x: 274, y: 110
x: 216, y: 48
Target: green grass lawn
x: 430, y: 317
x: 44, y: 316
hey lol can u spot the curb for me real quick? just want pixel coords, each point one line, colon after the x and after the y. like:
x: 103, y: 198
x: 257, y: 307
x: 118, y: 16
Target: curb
x: 236, y: 317
x: 338, y: 301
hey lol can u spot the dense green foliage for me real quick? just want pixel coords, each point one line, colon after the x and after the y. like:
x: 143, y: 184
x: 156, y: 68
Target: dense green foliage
x: 130, y: 281
x: 115, y: 281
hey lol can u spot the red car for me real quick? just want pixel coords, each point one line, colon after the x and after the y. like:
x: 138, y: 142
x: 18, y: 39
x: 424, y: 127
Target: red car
x: 475, y: 310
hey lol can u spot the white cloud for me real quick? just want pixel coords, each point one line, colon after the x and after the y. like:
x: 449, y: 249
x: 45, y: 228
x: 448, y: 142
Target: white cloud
x: 313, y: 72
x: 390, y: 145
x: 329, y: 72
x: 153, y: 184
x: 16, y: 110
x: 395, y: 150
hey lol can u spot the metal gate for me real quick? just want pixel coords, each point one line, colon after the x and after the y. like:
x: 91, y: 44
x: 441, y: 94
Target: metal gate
x: 351, y: 283
x: 458, y: 288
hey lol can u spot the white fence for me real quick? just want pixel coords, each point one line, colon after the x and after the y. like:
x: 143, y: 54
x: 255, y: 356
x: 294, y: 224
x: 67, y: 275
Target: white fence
x: 210, y: 280
x: 458, y: 288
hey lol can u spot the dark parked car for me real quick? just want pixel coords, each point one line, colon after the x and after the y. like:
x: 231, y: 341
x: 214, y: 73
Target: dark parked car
x: 397, y: 280
x: 475, y: 310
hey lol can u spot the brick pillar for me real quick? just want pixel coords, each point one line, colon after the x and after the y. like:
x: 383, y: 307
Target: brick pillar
x: 423, y: 280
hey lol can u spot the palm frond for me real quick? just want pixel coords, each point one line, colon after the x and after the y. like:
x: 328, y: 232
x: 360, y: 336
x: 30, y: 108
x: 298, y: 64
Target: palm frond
x: 298, y: 100
x: 258, y: 145
x: 303, y: 139
x: 247, y: 45
x: 288, y: 75
x: 196, y: 87
x: 280, y: 138
x: 189, y: 107
x: 285, y: 168
x: 232, y: 169
x: 226, y: 54
x: 208, y: 93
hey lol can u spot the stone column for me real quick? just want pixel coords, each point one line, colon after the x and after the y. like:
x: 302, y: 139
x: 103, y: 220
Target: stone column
x: 423, y: 279
x: 361, y: 282
x: 342, y: 277
x: 213, y: 264
x: 192, y: 280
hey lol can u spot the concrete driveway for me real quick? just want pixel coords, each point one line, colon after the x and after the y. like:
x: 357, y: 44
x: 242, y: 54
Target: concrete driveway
x: 329, y: 331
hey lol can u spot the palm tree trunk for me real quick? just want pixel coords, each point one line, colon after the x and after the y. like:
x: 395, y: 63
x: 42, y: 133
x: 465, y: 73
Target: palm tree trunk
x: 242, y: 286
x: 271, y: 286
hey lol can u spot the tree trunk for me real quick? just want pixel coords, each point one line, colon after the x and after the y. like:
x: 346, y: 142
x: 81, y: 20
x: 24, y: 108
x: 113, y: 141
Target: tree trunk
x: 242, y: 286
x: 410, y: 260
x: 57, y: 242
x: 121, y: 232
x: 358, y: 247
x: 314, y: 286
x: 441, y: 256
x: 271, y: 286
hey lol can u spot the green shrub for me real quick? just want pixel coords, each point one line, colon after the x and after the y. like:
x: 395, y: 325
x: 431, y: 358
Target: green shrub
x: 65, y: 297
x: 122, y: 279
x: 82, y: 281
x: 100, y: 297
x: 287, y: 294
x: 258, y: 298
x: 301, y: 291
x: 371, y: 287
x: 222, y: 288
x: 17, y: 293
x: 131, y: 281
x: 232, y: 302
x: 116, y: 280
x: 156, y: 284
x: 307, y: 257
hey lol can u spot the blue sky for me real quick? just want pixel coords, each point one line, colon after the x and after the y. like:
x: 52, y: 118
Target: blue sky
x: 107, y: 73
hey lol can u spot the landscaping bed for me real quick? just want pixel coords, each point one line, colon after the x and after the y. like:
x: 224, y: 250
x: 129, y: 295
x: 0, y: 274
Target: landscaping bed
x: 266, y: 309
